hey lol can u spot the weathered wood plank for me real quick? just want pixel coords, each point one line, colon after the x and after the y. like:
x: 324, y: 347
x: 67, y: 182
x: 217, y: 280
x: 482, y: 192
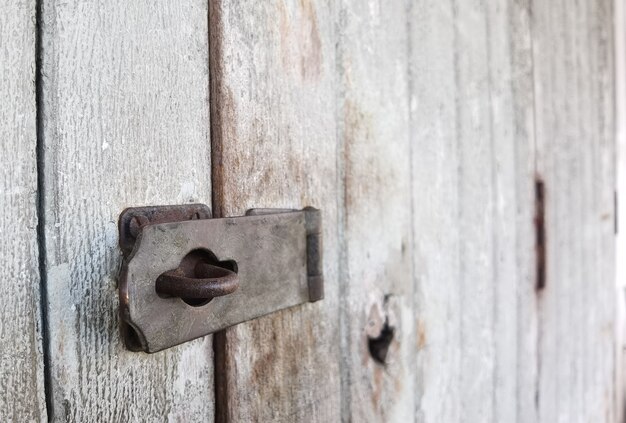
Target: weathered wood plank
x: 528, y: 252
x: 550, y: 353
x: 21, y: 358
x: 620, y: 120
x: 125, y: 90
x: 514, y: 249
x: 274, y: 145
x: 473, y: 202
x: 494, y: 345
x: 377, y: 279
x: 574, y: 94
x: 435, y: 162
x: 476, y: 212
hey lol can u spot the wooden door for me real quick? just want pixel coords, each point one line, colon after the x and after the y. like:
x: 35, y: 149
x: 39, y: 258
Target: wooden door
x: 461, y: 152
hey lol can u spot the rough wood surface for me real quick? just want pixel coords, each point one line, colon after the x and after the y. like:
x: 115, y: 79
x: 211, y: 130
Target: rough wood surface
x: 380, y: 329
x: 574, y: 109
x: 21, y: 359
x: 473, y: 209
x: 425, y: 131
x: 444, y: 101
x: 274, y: 145
x: 435, y: 203
x: 620, y: 120
x: 125, y: 123
x: 503, y: 95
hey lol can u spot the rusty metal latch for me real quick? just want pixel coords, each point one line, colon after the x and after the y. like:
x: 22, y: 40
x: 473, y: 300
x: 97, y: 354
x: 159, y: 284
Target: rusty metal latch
x: 187, y: 275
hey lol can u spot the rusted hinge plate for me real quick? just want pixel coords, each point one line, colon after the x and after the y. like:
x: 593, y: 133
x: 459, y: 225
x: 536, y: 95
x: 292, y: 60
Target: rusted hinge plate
x: 275, y: 253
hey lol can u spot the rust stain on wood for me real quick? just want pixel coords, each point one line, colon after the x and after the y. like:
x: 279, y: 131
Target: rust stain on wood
x: 421, y: 335
x: 359, y: 191
x: 377, y: 386
x: 300, y: 48
x: 284, y: 27
x: 311, y: 59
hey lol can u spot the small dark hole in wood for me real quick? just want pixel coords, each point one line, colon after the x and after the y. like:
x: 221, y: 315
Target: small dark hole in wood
x: 379, y: 346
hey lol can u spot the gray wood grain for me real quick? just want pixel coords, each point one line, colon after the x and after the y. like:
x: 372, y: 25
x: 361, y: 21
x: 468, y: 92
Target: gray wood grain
x: 418, y: 128
x: 473, y: 204
x: 620, y: 120
x: 436, y: 208
x: 466, y: 132
x: 477, y: 211
x: 502, y: 95
x: 125, y: 123
x: 21, y: 359
x: 377, y: 280
x: 522, y: 85
x: 574, y: 100
x: 274, y: 145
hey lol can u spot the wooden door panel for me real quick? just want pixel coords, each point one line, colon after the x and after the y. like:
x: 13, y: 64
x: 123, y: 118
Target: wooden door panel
x: 274, y: 145
x: 504, y: 339
x: 461, y: 153
x: 474, y: 203
x: 574, y: 100
x: 459, y: 267
x: 278, y: 94
x: 125, y: 123
x: 21, y: 358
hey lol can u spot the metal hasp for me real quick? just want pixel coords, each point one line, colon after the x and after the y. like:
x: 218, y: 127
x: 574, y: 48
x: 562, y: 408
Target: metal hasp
x: 186, y: 275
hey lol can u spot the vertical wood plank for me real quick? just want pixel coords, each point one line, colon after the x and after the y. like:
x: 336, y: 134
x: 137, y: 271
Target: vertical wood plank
x: 620, y: 120
x: 473, y: 202
x: 527, y: 206
x: 435, y: 163
x: 378, y: 320
x: 514, y: 236
x: 274, y: 145
x: 21, y: 358
x: 549, y: 356
x: 125, y: 90
x: 574, y: 95
x: 476, y: 211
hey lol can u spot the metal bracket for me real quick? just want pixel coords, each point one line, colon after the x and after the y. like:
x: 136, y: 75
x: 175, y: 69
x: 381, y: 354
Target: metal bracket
x: 186, y: 275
